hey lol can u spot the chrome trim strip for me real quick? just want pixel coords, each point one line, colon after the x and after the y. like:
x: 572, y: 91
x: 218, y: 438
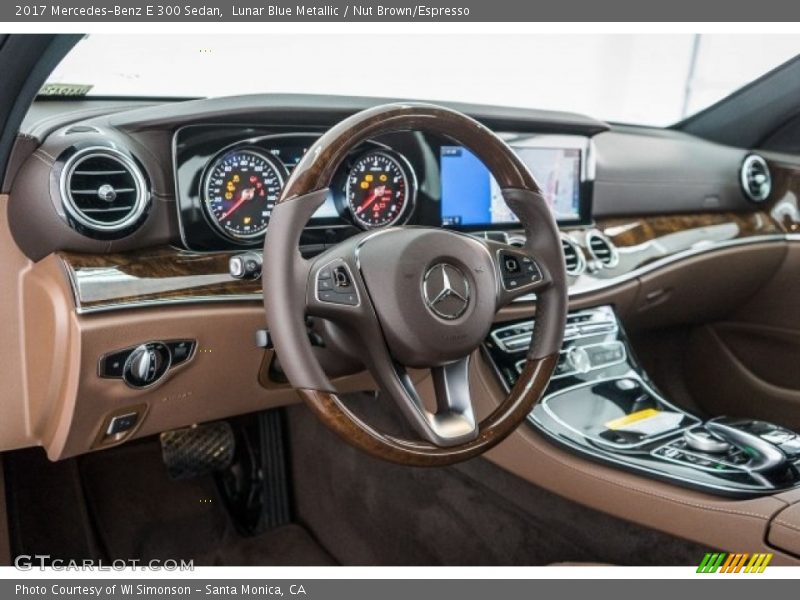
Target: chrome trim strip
x: 101, y: 308
x: 589, y: 288
x: 581, y: 288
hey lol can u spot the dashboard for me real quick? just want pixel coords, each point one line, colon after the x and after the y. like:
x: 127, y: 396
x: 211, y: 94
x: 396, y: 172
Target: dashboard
x: 229, y: 178
x: 124, y: 218
x: 121, y: 189
x: 665, y: 227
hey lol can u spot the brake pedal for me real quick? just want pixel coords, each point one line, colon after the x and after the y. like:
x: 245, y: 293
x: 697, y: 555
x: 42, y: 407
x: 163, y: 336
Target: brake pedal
x: 198, y: 450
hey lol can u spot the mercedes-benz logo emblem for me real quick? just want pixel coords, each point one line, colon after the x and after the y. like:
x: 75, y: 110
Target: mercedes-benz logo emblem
x: 446, y: 291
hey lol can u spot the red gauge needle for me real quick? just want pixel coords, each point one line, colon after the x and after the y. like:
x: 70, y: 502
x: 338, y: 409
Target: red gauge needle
x: 378, y: 191
x: 247, y: 194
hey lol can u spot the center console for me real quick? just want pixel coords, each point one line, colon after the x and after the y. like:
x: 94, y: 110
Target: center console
x: 601, y: 404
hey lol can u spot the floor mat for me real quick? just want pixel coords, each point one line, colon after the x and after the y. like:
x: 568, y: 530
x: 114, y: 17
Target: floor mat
x: 290, y: 545
x: 120, y: 504
x: 376, y: 513
x: 140, y: 512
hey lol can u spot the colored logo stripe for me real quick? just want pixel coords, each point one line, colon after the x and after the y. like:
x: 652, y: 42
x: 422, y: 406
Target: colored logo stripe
x: 734, y: 563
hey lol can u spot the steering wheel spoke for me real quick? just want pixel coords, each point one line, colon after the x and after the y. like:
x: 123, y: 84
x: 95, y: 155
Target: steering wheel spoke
x: 453, y: 422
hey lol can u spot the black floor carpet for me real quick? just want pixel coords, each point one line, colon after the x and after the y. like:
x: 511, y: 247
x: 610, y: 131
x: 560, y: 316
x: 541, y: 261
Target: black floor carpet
x: 376, y: 513
x: 349, y: 509
x: 120, y: 504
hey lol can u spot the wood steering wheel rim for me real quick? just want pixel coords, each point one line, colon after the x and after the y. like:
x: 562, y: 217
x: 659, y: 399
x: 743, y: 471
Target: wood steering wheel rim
x: 286, y: 279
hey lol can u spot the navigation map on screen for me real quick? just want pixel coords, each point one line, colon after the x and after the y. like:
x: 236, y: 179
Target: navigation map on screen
x: 470, y: 195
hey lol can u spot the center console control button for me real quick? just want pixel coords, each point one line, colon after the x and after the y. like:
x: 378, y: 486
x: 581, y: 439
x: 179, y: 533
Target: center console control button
x: 181, y: 351
x: 578, y: 358
x: 112, y: 365
x: 595, y: 328
x: 679, y: 452
x: 703, y: 441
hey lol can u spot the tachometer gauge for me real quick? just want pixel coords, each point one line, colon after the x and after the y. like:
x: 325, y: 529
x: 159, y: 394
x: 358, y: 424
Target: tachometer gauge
x: 379, y: 189
x: 240, y: 191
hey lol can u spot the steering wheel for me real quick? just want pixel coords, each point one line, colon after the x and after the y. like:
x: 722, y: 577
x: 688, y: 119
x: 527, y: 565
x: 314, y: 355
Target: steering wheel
x: 414, y: 297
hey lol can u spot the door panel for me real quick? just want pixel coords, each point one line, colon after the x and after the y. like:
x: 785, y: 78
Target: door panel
x: 749, y: 365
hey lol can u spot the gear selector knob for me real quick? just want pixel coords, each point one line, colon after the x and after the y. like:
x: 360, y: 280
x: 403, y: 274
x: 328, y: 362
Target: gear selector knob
x: 704, y: 441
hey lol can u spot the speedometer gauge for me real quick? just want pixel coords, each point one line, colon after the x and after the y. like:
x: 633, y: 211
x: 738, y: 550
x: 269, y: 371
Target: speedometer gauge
x: 379, y: 189
x: 240, y: 191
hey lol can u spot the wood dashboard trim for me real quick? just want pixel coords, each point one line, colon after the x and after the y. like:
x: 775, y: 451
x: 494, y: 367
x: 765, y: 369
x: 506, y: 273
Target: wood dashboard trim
x: 169, y: 275
x: 164, y: 275
x: 636, y: 231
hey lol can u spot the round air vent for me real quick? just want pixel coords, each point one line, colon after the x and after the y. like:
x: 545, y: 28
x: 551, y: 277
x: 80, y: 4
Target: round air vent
x: 103, y: 191
x: 601, y: 249
x: 755, y: 178
x: 574, y: 260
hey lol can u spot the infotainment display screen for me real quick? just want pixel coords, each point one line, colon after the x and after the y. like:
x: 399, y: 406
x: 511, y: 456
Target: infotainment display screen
x: 471, y: 197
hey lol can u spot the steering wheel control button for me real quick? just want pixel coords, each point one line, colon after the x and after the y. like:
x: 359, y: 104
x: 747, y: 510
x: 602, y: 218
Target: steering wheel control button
x: 341, y: 279
x: 334, y: 285
x: 122, y: 423
x: 517, y: 270
x: 446, y: 291
x: 147, y: 364
x: 245, y: 266
x: 511, y: 266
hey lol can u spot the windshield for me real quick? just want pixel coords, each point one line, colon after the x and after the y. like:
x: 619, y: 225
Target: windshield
x: 642, y: 79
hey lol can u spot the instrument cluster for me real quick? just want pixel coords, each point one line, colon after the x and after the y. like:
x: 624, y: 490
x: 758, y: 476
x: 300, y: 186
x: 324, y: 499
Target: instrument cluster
x: 227, y: 188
